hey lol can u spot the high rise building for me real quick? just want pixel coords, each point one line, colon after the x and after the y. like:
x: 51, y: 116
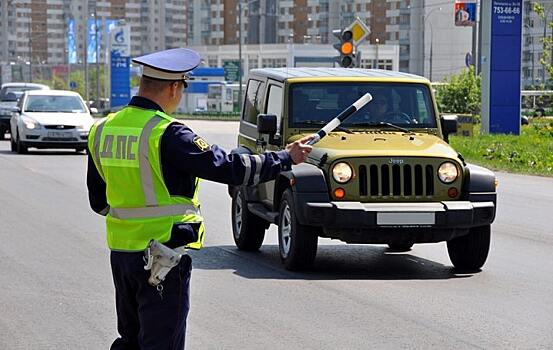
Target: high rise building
x: 424, y: 30
x: 534, y: 30
x: 35, y: 31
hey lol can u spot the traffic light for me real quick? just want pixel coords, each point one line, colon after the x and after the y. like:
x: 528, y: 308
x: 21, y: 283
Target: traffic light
x: 345, y: 48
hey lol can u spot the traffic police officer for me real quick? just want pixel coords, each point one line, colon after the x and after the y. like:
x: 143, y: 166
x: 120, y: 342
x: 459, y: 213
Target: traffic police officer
x: 143, y: 173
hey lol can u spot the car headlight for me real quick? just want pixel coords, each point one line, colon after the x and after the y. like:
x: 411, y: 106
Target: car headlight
x: 448, y: 172
x: 31, y: 124
x: 342, y: 172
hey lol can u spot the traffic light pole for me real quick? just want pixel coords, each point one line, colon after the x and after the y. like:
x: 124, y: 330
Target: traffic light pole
x: 345, y: 48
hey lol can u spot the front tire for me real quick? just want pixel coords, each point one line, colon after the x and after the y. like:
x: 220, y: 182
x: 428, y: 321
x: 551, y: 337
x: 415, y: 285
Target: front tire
x: 248, y: 230
x: 20, y: 147
x: 13, y: 145
x: 470, y: 252
x: 297, y: 243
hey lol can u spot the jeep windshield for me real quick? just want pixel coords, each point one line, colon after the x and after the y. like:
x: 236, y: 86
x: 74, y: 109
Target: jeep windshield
x: 406, y: 105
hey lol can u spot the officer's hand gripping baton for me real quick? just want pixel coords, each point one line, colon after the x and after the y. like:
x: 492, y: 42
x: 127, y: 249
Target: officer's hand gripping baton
x: 345, y: 114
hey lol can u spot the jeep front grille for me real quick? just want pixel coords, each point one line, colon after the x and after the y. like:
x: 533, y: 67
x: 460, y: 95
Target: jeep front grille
x: 403, y: 180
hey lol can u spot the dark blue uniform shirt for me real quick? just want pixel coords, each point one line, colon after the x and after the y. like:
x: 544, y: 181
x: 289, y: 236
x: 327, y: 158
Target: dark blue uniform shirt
x: 183, y: 159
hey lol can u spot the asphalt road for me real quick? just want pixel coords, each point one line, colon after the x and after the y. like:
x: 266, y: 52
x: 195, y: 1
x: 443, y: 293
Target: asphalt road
x: 56, y: 289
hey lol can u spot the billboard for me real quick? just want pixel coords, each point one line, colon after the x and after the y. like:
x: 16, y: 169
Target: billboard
x: 501, y: 57
x: 465, y: 12
x: 71, y: 42
x: 98, y: 33
x: 120, y: 52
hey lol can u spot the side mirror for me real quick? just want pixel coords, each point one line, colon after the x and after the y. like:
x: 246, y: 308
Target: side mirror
x: 449, y: 125
x: 16, y: 110
x: 267, y: 124
x: 94, y: 110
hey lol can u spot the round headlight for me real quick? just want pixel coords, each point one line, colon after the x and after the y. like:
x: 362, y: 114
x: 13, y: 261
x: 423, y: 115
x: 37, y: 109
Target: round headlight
x: 342, y: 172
x: 30, y: 124
x: 447, y: 172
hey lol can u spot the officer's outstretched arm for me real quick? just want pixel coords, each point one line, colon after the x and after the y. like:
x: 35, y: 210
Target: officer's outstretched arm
x: 191, y: 154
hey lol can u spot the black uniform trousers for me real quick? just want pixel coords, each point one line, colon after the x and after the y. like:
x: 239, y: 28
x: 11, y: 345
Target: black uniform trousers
x: 146, y: 320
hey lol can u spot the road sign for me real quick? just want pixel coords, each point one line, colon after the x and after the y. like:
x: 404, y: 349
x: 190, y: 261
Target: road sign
x: 468, y: 60
x: 465, y: 13
x: 72, y: 85
x: 359, y: 30
x: 120, y: 83
x: 232, y: 69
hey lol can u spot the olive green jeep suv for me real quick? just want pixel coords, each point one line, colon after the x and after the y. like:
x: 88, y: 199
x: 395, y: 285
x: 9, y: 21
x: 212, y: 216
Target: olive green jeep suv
x: 386, y: 175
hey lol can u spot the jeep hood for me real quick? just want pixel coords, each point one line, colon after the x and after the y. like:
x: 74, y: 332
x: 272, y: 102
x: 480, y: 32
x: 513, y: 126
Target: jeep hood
x: 380, y: 144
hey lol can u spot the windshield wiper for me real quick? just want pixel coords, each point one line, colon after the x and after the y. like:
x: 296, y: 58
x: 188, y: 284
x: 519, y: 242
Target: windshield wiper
x: 320, y: 122
x: 387, y: 124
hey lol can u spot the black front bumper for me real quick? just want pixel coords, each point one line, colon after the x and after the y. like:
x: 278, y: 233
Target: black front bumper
x: 356, y: 222
x: 50, y: 144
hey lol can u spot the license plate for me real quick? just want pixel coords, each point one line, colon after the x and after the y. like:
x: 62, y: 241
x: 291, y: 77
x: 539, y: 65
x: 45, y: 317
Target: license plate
x: 385, y: 218
x: 60, y: 134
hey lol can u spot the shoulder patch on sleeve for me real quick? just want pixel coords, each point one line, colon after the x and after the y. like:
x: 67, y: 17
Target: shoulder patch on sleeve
x: 201, y: 144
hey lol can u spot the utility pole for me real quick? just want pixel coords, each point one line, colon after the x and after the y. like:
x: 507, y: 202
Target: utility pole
x: 30, y: 53
x: 87, y: 97
x: 239, y: 52
x: 545, y: 14
x: 475, y: 53
x: 97, y: 56
x: 431, y: 50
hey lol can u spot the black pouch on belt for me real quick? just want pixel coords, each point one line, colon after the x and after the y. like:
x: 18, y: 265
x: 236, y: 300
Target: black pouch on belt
x: 183, y: 234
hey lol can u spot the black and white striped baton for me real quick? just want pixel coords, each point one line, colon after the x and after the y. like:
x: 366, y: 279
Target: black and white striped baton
x: 340, y: 118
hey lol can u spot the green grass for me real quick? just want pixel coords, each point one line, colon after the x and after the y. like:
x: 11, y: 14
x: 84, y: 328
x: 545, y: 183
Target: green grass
x: 529, y: 153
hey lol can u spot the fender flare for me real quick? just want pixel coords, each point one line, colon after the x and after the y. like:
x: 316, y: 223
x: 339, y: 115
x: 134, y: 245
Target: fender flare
x: 478, y: 179
x: 308, y: 184
x: 479, y: 186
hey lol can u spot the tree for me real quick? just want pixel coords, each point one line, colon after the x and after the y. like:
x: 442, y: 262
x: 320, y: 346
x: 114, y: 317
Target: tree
x: 77, y: 76
x: 460, y: 93
x: 546, y: 59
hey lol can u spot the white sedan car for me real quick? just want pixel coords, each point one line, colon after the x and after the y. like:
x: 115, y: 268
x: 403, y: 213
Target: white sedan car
x: 50, y: 119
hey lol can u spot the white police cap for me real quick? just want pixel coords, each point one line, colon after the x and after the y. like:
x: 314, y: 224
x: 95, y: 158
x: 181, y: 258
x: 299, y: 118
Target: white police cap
x: 169, y: 64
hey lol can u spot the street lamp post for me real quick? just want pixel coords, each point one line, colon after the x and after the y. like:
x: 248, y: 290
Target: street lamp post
x: 377, y: 42
x: 240, y: 53
x: 240, y: 47
x: 533, y: 50
x: 545, y: 15
x: 30, y: 53
x: 97, y: 47
x: 424, y: 19
x: 431, y: 50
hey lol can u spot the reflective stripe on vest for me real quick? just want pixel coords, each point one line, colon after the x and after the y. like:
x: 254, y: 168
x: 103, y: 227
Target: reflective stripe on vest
x: 153, y: 212
x: 145, y: 170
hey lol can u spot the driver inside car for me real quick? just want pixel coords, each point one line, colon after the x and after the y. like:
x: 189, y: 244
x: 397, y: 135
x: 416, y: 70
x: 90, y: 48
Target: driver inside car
x: 380, y: 110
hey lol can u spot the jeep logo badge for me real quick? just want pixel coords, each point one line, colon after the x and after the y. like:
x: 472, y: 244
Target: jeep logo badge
x: 395, y: 161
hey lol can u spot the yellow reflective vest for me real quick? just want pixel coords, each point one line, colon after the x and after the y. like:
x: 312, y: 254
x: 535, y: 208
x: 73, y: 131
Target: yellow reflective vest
x: 125, y: 147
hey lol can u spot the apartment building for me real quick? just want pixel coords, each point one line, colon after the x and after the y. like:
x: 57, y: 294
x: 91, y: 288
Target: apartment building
x: 35, y: 31
x: 415, y: 26
x: 533, y: 31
